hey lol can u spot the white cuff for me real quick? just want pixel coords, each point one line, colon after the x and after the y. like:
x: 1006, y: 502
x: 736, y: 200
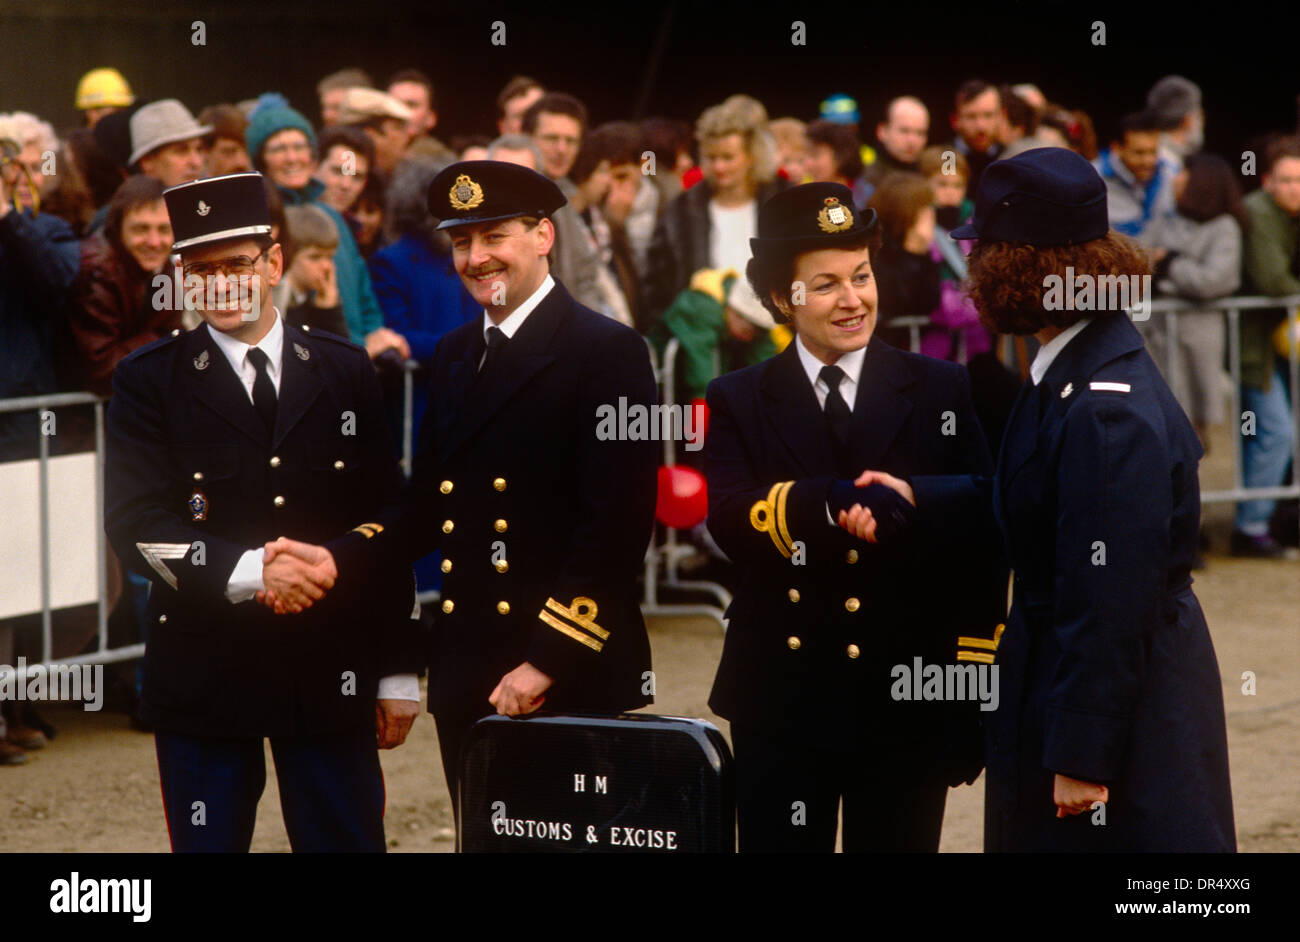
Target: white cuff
x: 246, y: 579
x: 399, y: 687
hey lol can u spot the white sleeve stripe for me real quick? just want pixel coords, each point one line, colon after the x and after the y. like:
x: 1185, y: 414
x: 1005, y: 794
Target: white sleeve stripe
x: 155, y: 554
x: 1111, y: 387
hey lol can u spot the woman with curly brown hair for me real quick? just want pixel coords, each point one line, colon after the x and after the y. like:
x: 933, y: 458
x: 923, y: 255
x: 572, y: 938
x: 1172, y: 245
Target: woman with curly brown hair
x: 1110, y: 733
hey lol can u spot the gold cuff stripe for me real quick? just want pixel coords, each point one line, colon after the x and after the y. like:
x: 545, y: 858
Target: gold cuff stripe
x: 985, y: 643
x: 582, y: 613
x: 768, y: 516
x: 571, y: 632
x: 368, y: 530
x: 983, y: 657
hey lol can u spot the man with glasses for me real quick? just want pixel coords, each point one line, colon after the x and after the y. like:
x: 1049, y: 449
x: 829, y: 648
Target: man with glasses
x: 221, y: 440
x: 557, y: 122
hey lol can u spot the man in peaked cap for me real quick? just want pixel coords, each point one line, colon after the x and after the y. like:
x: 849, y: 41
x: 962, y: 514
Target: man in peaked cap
x: 542, y: 513
x: 220, y: 440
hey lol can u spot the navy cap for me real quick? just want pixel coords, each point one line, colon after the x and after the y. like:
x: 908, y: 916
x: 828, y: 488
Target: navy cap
x: 1044, y: 196
x: 218, y: 208
x: 474, y: 191
x: 811, y: 216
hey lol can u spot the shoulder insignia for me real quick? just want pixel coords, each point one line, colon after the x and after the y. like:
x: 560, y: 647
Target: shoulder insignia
x: 201, y: 361
x: 1110, y: 387
x: 303, y: 353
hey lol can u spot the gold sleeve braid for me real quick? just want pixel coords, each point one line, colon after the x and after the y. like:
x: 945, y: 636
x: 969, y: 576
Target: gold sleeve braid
x: 768, y: 516
x: 988, y: 647
x: 578, y: 621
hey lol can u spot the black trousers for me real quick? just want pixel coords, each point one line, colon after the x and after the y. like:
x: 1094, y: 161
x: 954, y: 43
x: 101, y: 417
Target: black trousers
x: 788, y: 797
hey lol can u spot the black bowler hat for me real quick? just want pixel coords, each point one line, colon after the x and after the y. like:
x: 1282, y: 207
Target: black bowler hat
x: 1045, y: 196
x: 474, y: 191
x: 811, y: 216
x: 218, y: 208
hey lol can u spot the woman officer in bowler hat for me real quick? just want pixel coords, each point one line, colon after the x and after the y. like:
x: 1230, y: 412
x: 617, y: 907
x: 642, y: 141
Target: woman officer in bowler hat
x: 1110, y: 735
x: 821, y: 618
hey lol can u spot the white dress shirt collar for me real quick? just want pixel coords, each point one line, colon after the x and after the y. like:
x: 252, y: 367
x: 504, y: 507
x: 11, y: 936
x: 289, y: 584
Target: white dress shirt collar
x: 236, y: 351
x: 850, y: 363
x: 1049, y: 351
x: 517, y: 317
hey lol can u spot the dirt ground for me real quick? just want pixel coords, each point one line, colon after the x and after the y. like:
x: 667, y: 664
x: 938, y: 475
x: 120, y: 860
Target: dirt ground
x: 95, y: 788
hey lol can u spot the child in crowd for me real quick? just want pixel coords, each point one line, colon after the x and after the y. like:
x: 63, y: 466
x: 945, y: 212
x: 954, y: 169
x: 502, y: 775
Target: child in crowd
x: 313, y: 287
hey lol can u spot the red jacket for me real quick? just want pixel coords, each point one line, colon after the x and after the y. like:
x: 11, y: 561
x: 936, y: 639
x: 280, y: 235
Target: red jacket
x: 111, y: 310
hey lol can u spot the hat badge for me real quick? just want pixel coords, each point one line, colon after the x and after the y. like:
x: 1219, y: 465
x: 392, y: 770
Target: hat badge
x: 465, y: 193
x: 203, y: 208
x: 834, y: 216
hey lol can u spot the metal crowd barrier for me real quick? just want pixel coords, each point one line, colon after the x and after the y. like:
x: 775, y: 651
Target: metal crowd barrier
x: 661, y: 561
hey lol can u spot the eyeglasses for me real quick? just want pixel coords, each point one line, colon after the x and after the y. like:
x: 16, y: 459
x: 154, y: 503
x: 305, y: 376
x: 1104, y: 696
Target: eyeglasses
x: 230, y: 267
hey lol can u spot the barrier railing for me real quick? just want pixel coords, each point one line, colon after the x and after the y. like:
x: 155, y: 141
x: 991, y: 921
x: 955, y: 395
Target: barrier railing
x: 661, y: 561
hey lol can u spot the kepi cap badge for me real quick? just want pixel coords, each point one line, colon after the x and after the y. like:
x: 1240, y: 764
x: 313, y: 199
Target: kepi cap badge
x: 465, y: 193
x: 834, y: 216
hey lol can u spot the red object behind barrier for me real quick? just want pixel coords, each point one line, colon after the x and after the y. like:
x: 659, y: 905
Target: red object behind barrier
x: 683, y: 497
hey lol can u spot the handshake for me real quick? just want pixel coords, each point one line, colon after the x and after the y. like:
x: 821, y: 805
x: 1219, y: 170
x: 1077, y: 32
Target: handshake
x: 295, y: 575
x: 875, y: 507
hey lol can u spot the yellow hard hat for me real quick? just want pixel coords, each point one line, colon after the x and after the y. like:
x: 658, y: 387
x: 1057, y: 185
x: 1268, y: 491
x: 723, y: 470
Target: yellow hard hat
x: 103, y: 88
x: 1284, y: 338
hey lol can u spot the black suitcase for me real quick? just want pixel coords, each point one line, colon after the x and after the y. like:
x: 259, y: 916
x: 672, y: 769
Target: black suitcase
x: 635, y: 783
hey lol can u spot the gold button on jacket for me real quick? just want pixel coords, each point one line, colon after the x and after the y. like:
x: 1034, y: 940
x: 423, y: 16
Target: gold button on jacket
x: 446, y: 487
x: 793, y: 642
x: 499, y: 483
x: 448, y: 605
x: 446, y: 565
x: 500, y: 526
x: 503, y: 608
x: 448, y: 526
x: 854, y: 650
x: 794, y: 595
x: 852, y: 604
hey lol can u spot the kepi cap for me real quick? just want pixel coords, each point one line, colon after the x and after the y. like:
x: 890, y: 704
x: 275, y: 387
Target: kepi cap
x: 218, y: 208
x: 811, y: 216
x: 476, y: 191
x: 1045, y: 196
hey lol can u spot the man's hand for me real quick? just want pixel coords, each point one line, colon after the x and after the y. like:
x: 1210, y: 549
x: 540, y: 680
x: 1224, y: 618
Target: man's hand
x: 393, y: 719
x: 381, y: 339
x: 520, y: 691
x: 295, y: 575
x: 1074, y: 796
x: 880, y: 477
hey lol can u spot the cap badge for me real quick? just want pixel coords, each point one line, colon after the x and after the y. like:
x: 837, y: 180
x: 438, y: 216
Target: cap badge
x: 201, y: 361
x: 465, y: 193
x: 203, y: 209
x: 303, y: 353
x: 834, y: 216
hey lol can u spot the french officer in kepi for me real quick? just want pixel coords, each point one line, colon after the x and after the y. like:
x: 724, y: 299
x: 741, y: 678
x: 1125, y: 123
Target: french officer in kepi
x: 220, y: 440
x: 542, y: 515
x: 1110, y: 732
x: 824, y: 624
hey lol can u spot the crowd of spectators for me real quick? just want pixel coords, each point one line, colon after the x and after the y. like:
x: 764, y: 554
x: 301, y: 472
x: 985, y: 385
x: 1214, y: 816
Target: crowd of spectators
x: 655, y: 234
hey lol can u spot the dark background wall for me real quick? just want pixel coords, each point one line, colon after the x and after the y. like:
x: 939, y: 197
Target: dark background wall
x: 606, y: 54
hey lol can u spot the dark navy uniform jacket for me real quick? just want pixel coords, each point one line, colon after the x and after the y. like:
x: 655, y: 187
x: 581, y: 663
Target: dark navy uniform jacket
x: 1107, y: 669
x: 185, y: 442
x: 820, y: 618
x: 542, y: 523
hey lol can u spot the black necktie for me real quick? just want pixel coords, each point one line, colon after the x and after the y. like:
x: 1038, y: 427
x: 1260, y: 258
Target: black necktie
x: 496, y: 339
x: 263, y: 389
x: 838, y: 417
x: 837, y: 410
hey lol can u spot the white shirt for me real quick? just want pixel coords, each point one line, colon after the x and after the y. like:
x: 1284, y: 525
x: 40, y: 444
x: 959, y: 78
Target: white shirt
x: 1049, y: 351
x: 246, y: 578
x: 730, y: 229
x: 516, y: 318
x: 850, y: 363
x: 236, y: 352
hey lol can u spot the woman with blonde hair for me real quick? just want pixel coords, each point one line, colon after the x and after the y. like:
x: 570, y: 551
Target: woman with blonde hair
x: 710, y: 225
